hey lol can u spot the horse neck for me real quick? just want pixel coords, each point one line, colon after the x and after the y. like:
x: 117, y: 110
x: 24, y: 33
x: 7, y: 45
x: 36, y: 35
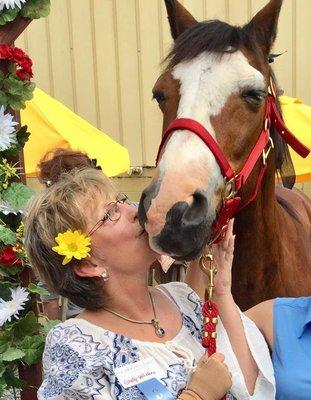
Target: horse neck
x: 255, y: 247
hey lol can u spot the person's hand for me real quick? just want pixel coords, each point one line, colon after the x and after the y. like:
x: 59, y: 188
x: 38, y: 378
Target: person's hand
x: 223, y: 257
x: 211, y: 379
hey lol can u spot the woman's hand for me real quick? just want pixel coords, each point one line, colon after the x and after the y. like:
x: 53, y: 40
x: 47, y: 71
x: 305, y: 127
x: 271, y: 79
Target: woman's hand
x: 211, y: 379
x: 223, y: 257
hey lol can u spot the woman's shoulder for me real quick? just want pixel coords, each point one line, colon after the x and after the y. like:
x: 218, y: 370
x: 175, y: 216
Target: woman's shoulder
x: 73, y: 361
x: 75, y: 340
x: 78, y: 334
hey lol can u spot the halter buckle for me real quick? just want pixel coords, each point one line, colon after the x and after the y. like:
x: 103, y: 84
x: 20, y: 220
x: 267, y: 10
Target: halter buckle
x: 230, y: 188
x: 265, y: 154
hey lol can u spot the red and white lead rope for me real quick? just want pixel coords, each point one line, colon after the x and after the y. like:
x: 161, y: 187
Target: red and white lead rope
x: 210, y: 309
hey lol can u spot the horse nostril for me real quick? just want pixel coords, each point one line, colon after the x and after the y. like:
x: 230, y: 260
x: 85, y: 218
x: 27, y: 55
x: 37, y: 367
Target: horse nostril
x: 196, y: 213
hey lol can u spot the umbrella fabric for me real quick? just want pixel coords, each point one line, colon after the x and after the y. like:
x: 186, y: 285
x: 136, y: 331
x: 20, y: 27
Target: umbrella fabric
x: 297, y: 117
x: 53, y: 125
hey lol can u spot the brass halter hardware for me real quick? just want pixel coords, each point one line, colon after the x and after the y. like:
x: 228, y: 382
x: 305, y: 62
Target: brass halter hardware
x: 265, y: 154
x: 209, y: 270
x: 230, y: 188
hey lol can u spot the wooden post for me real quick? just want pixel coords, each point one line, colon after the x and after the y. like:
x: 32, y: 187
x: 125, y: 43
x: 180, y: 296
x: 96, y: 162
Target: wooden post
x: 12, y: 30
x: 33, y: 374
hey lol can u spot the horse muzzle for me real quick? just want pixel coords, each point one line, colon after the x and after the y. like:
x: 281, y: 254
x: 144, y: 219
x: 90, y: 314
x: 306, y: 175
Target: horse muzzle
x: 186, y: 230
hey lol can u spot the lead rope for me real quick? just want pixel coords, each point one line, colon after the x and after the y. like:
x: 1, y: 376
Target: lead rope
x: 210, y: 309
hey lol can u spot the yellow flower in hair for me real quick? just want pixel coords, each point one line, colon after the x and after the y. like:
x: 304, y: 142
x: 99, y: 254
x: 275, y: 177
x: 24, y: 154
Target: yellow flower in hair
x: 72, y: 245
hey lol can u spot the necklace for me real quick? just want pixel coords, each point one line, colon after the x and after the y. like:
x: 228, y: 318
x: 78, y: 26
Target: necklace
x: 160, y: 332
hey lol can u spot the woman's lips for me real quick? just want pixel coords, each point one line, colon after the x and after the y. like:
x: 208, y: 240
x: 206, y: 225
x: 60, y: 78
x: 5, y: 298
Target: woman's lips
x: 141, y: 233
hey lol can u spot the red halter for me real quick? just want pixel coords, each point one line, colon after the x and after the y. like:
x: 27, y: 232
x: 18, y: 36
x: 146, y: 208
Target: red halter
x: 235, y: 181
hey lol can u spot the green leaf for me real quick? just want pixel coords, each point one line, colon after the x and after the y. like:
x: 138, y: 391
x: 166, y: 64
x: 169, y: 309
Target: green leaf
x: 5, y: 292
x: 5, y: 340
x: 17, y: 195
x: 2, y: 369
x: 50, y: 325
x: 15, y: 92
x: 16, y: 104
x: 33, y: 348
x: 6, y: 272
x: 37, y: 289
x: 35, y: 9
x: 12, y: 354
x: 8, y: 15
x: 6, y: 285
x: 3, y: 99
x: 12, y: 380
x: 6, y: 235
x: 25, y: 326
x: 2, y: 387
x: 22, y: 136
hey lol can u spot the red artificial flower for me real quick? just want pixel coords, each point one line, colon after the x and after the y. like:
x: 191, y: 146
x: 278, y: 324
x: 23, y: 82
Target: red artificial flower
x: 20, y: 58
x: 8, y: 257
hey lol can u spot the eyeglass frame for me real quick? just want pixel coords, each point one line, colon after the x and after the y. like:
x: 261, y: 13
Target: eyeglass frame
x: 113, y: 205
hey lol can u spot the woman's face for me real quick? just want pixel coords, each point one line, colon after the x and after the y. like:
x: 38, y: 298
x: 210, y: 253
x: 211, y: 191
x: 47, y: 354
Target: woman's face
x: 121, y: 243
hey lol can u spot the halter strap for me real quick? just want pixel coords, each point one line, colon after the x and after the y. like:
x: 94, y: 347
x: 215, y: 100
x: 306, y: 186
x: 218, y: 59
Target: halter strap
x: 231, y: 204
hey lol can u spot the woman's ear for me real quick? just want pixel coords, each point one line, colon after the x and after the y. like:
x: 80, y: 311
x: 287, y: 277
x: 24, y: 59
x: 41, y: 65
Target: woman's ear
x: 88, y: 269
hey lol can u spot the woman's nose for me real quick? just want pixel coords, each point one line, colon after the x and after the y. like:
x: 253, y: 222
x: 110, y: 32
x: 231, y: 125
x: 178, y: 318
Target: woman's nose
x: 131, y: 210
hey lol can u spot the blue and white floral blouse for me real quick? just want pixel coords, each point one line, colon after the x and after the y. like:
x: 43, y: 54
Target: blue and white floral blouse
x: 80, y: 357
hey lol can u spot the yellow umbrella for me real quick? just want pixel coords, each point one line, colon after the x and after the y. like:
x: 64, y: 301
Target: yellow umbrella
x: 297, y: 117
x: 52, y: 125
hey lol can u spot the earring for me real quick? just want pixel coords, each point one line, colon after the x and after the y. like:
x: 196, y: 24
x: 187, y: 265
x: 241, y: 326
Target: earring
x: 105, y: 276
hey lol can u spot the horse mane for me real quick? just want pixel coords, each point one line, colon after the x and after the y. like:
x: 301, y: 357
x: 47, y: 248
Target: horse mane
x: 219, y: 37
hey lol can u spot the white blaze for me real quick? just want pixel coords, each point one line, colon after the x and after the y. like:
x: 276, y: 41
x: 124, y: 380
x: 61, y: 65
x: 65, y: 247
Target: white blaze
x: 206, y: 82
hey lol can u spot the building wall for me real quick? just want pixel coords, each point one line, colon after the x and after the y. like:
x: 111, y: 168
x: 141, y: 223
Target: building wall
x: 102, y: 57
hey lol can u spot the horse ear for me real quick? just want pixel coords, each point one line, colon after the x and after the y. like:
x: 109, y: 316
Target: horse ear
x: 179, y: 18
x: 264, y: 24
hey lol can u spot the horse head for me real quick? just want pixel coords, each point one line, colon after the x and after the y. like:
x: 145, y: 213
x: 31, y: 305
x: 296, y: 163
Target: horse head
x: 217, y: 75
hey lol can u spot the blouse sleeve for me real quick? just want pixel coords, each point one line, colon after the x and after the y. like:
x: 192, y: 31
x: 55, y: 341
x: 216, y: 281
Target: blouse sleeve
x: 75, y: 366
x: 265, y: 384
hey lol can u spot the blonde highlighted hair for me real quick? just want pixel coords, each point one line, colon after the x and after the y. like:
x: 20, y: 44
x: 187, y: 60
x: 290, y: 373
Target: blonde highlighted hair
x: 55, y: 210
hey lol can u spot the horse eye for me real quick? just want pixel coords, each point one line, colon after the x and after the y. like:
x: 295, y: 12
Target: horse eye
x: 159, y: 96
x: 254, y: 96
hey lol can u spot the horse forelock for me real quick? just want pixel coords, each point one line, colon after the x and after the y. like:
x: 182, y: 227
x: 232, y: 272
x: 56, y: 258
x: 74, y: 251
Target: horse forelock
x: 213, y: 37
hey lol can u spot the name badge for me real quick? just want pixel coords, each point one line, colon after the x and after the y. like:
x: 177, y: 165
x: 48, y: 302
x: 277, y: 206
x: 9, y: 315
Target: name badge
x: 155, y: 390
x: 133, y: 374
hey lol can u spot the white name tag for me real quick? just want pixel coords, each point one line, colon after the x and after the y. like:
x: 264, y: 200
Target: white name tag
x: 138, y: 372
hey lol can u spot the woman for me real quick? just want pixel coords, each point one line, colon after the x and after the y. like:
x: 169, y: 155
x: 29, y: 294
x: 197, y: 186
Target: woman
x: 286, y: 326
x: 86, y: 243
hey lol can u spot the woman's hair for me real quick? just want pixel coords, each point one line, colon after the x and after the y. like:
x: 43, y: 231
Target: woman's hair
x: 55, y: 210
x: 57, y: 161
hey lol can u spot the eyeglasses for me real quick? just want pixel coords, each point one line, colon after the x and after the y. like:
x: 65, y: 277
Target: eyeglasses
x: 113, y: 212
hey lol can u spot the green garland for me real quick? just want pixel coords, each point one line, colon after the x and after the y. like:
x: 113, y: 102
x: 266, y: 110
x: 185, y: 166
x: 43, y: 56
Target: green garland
x: 32, y: 9
x: 22, y: 339
x: 14, y: 92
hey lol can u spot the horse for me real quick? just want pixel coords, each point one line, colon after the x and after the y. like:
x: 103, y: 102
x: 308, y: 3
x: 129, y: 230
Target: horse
x: 219, y: 76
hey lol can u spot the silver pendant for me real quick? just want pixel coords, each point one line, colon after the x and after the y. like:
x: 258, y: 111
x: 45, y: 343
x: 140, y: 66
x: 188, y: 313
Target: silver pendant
x: 160, y: 332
